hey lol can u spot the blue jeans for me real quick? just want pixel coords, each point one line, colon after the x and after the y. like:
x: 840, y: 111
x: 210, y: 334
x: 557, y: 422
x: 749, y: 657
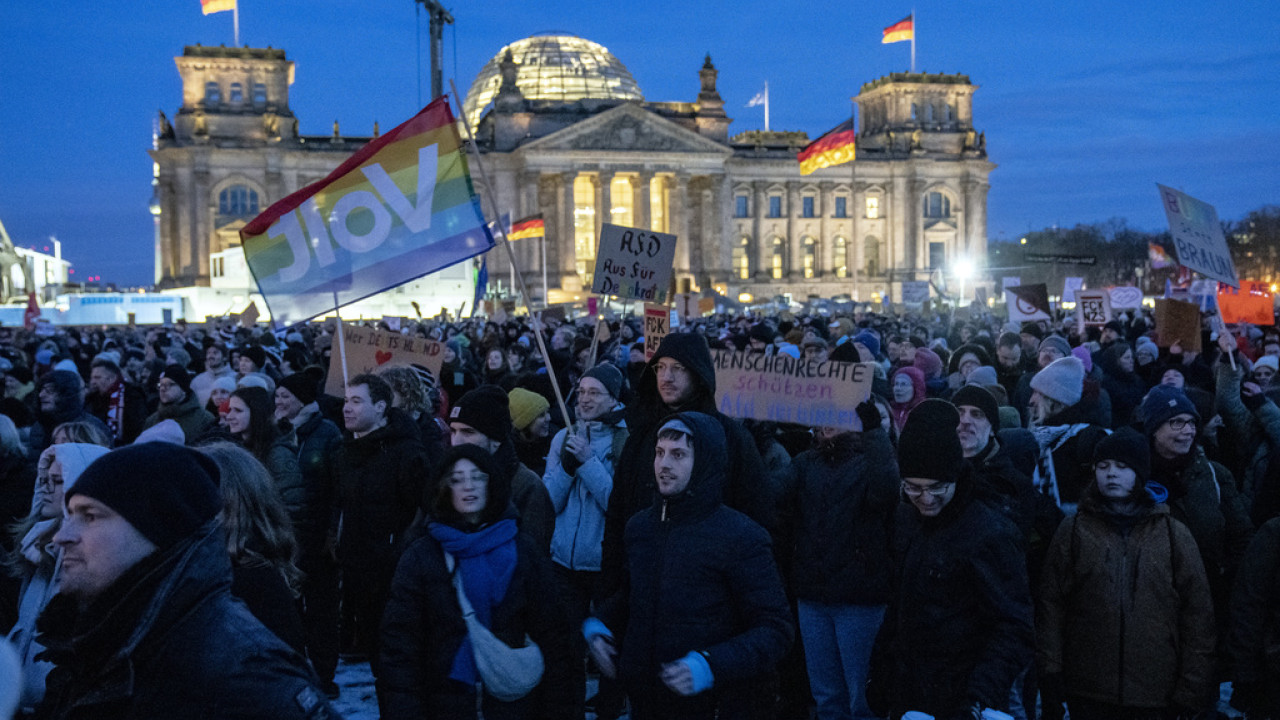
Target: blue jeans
x: 837, y: 649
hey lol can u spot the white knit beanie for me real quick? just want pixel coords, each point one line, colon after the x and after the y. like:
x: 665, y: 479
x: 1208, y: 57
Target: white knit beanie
x: 1061, y: 380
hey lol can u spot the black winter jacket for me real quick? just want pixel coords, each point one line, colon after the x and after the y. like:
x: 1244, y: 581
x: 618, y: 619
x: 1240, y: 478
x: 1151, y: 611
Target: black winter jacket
x: 700, y: 577
x: 837, y: 520
x: 959, y: 629
x: 381, y: 477
x: 422, y: 628
x: 167, y: 640
x: 319, y: 442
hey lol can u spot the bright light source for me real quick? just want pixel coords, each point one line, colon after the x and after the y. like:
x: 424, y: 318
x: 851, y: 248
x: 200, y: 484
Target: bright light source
x: 744, y: 298
x: 963, y: 269
x: 1023, y: 241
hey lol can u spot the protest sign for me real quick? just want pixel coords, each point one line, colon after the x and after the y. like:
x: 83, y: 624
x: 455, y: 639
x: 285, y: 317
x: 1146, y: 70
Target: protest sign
x: 1251, y: 303
x: 780, y: 388
x: 1027, y: 302
x: 980, y: 295
x: 1093, y: 308
x: 657, y: 322
x: 1125, y: 297
x: 1177, y: 322
x: 706, y: 306
x: 915, y: 292
x: 1070, y: 287
x: 399, y: 208
x: 1197, y: 236
x: 250, y: 315
x: 393, y: 322
x: 634, y: 264
x: 1009, y: 281
x: 369, y: 349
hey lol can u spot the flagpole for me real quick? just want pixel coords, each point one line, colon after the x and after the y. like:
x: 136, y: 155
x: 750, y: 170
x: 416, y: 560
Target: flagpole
x: 342, y: 339
x: 511, y: 255
x: 913, y: 40
x: 545, y: 289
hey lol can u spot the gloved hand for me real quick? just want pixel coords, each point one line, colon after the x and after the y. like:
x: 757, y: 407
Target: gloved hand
x: 869, y: 415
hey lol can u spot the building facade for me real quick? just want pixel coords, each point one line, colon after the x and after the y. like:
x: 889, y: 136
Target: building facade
x: 565, y: 132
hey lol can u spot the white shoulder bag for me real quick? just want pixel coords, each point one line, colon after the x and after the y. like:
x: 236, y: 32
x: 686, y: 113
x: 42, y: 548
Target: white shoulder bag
x: 507, y: 673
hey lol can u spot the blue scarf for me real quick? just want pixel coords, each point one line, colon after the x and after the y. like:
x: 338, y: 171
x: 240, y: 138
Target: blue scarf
x: 487, y: 560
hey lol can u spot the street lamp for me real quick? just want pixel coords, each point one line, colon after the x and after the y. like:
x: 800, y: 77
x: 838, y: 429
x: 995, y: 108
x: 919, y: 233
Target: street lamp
x: 963, y: 270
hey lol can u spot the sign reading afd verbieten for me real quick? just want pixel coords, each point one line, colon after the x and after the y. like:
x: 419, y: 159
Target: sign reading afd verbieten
x: 781, y: 388
x: 634, y: 264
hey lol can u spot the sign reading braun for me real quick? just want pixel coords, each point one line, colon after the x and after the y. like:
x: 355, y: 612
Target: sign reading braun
x: 634, y: 264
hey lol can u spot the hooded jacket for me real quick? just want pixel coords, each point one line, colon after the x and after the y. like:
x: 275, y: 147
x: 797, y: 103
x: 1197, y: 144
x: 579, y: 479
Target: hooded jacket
x: 1124, y: 613
x: 582, y: 497
x: 167, y: 640
x: 1126, y: 389
x: 68, y: 407
x: 700, y: 577
x: 319, y: 441
x: 748, y: 486
x: 918, y: 393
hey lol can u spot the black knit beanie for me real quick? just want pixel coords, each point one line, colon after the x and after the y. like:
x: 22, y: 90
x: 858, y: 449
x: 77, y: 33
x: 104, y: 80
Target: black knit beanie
x: 165, y: 491
x: 929, y: 447
x: 981, y: 398
x: 179, y: 375
x: 1126, y: 445
x: 486, y: 409
x: 302, y: 385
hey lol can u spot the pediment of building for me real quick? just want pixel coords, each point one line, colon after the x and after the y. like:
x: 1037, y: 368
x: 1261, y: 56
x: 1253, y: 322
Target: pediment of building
x: 627, y: 128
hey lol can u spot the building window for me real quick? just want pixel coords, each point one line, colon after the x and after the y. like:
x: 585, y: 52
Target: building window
x: 259, y: 94
x: 658, y: 199
x: 951, y: 113
x: 841, y: 257
x: 810, y: 257
x: 237, y: 93
x: 218, y: 269
x: 937, y: 205
x: 873, y: 207
x: 584, y: 225
x: 775, y: 206
x: 623, y: 210
x: 842, y: 206
x: 238, y: 201
x: 742, y: 258
x: 928, y: 113
x: 741, y: 206
x: 806, y: 206
x: 937, y: 254
x: 871, y: 254
x: 779, y: 259
x: 212, y: 94
x: 915, y: 112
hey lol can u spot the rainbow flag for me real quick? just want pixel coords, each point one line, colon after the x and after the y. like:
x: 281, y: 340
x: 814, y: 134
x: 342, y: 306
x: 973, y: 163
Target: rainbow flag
x: 1159, y: 257
x: 210, y: 7
x: 530, y: 227
x: 401, y: 207
x: 836, y: 147
x: 904, y: 29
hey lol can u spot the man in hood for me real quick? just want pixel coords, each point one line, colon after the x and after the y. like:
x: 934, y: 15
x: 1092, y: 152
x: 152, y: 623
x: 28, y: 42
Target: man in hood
x: 60, y: 394
x: 702, y: 615
x: 679, y: 378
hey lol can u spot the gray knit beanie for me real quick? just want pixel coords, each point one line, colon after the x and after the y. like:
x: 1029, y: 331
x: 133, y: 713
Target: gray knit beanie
x: 1062, y: 380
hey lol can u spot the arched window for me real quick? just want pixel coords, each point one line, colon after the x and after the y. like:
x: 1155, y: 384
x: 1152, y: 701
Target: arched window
x: 212, y: 94
x: 779, y: 260
x: 238, y: 201
x: 841, y: 257
x: 742, y: 258
x: 259, y: 94
x: 937, y: 205
x: 237, y: 93
x: 871, y: 254
x: 810, y: 257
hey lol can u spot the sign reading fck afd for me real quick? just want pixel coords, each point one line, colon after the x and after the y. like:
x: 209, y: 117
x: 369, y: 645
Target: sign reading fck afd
x: 401, y: 207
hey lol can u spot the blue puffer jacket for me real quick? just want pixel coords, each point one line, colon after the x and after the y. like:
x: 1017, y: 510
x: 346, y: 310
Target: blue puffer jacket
x: 581, y: 498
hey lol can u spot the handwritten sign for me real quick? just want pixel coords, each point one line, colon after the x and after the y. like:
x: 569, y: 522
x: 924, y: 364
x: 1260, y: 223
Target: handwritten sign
x: 369, y: 349
x: 1252, y: 303
x: 1177, y: 322
x: 1093, y: 308
x: 1126, y: 297
x: 634, y: 264
x: 657, y: 323
x: 1197, y: 236
x: 915, y: 292
x: 1070, y: 287
x: 783, y: 389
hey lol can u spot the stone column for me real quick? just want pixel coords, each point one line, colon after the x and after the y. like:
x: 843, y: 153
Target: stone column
x: 764, y: 246
x: 898, y: 238
x: 640, y: 189
x: 826, y: 209
x: 678, y: 218
x: 717, y: 249
x: 795, y: 249
x: 604, y: 200
x: 976, y: 207
x: 565, y: 245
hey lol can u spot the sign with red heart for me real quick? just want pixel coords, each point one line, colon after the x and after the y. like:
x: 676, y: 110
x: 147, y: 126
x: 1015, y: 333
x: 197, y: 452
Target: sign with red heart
x: 370, y: 350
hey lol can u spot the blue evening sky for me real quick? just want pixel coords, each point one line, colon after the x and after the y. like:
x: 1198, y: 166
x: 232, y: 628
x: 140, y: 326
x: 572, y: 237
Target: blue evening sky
x: 1085, y: 105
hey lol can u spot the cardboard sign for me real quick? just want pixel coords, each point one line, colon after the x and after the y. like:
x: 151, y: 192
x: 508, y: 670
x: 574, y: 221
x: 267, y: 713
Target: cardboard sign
x: 250, y: 315
x: 1252, y: 303
x: 1197, y: 236
x: 1070, y: 287
x: 634, y: 264
x: 915, y: 292
x: 369, y: 349
x: 706, y: 306
x: 1093, y: 308
x: 783, y: 389
x: 657, y: 323
x: 1177, y: 322
x: 1125, y: 297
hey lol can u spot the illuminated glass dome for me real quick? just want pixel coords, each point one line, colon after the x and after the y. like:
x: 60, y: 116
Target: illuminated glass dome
x: 563, y: 68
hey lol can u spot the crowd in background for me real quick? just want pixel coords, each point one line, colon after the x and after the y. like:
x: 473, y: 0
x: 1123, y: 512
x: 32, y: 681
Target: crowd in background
x: 1026, y: 518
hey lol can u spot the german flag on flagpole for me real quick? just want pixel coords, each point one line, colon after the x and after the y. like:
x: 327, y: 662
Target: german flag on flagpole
x: 210, y: 7
x: 836, y: 147
x: 904, y: 29
x: 525, y: 228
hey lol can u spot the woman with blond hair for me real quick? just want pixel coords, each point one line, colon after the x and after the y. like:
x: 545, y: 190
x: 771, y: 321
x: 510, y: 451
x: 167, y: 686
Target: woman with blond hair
x: 260, y: 542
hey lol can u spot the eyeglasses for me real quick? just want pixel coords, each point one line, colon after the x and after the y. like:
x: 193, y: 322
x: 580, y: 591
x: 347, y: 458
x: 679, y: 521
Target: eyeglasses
x: 933, y: 491
x: 1177, y: 424
x: 460, y: 479
x: 592, y: 394
x: 166, y: 385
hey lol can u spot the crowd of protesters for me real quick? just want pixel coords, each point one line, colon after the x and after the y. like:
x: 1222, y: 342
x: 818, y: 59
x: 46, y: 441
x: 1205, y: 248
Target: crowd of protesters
x: 1023, y: 521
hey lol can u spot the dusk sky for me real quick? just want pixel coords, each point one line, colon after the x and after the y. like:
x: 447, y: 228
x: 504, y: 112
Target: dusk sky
x: 1085, y: 105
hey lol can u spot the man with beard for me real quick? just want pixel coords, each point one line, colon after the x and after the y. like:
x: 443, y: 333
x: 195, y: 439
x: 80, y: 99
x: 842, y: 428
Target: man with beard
x: 178, y: 403
x: 60, y: 394
x: 120, y: 405
x: 836, y: 525
x: 215, y: 366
